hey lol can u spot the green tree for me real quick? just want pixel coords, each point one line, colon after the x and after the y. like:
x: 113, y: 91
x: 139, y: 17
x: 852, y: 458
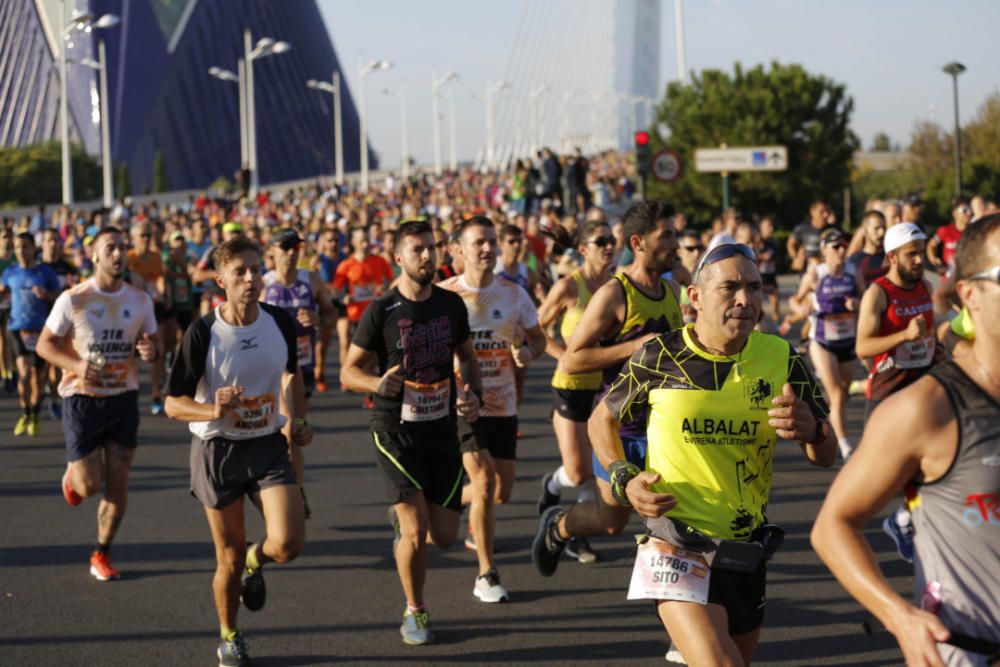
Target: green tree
x: 782, y: 104
x: 881, y: 142
x: 159, y: 173
x: 124, y: 185
x: 31, y: 175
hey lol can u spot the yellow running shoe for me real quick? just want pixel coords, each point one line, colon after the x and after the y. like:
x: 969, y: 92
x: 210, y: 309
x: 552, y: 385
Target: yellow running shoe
x: 22, y: 425
x: 33, y: 426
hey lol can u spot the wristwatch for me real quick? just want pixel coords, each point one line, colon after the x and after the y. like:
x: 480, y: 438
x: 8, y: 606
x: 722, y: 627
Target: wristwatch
x: 621, y: 473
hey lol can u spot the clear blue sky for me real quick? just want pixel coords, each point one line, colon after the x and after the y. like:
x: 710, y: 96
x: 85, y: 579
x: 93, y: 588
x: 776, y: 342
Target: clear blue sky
x: 889, y: 53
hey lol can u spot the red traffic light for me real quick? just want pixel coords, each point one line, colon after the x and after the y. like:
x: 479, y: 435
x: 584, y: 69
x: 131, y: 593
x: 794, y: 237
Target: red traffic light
x: 642, y: 138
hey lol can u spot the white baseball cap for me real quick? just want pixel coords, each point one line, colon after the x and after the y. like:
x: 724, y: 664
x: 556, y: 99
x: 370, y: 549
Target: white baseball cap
x: 900, y: 234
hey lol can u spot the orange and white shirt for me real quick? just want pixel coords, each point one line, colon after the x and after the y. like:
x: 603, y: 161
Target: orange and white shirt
x: 499, y: 314
x: 105, y: 325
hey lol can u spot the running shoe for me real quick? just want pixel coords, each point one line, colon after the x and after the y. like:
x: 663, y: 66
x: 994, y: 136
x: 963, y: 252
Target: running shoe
x: 368, y: 402
x: 254, y: 589
x: 547, y: 499
x: 901, y: 535
x: 415, y: 629
x: 233, y: 652
x: 857, y: 387
x: 157, y: 406
x: 579, y: 548
x: 72, y: 497
x: 470, y: 541
x: 394, y: 522
x: 489, y: 589
x: 674, y: 656
x: 21, y: 427
x: 55, y: 409
x: 547, y: 547
x: 321, y: 386
x: 100, y: 567
x: 33, y: 426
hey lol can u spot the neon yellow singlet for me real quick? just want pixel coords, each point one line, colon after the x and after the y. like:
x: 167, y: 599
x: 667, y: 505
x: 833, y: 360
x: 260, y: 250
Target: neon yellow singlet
x: 571, y: 318
x: 645, y: 315
x: 709, y: 439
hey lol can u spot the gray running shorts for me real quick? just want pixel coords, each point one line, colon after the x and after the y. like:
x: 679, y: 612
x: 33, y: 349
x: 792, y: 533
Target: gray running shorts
x: 224, y: 470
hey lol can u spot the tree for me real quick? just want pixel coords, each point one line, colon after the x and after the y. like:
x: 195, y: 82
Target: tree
x: 159, y: 173
x: 782, y: 104
x: 881, y: 142
x: 32, y: 175
x: 124, y: 186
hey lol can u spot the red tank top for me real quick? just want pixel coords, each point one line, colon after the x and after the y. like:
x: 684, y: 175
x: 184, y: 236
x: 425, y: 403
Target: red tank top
x: 898, y: 367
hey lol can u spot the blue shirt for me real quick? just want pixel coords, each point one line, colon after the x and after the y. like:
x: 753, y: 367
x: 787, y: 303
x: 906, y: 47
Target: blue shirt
x: 28, y: 312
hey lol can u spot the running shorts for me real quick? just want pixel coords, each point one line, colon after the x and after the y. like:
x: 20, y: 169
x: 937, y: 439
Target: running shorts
x: 90, y: 421
x: 574, y: 404
x: 418, y: 462
x: 843, y: 354
x: 224, y: 470
x: 742, y: 595
x: 16, y: 340
x: 497, y: 435
x: 635, y: 452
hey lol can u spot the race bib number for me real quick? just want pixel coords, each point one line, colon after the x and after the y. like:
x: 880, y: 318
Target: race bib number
x: 494, y: 368
x: 840, y: 326
x: 915, y: 353
x: 254, y: 415
x: 304, y: 350
x: 180, y: 291
x: 665, y: 572
x: 114, y: 378
x: 362, y: 293
x: 30, y: 339
x: 425, y: 402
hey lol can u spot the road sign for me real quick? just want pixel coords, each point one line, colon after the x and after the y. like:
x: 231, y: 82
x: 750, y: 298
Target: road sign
x: 744, y: 158
x: 667, y: 166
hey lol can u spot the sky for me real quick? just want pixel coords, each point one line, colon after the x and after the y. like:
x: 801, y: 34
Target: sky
x: 888, y: 53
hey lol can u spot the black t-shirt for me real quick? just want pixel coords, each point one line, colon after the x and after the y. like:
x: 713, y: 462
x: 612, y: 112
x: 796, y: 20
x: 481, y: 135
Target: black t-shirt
x: 63, y: 270
x: 422, y: 336
x: 808, y: 236
x: 868, y: 266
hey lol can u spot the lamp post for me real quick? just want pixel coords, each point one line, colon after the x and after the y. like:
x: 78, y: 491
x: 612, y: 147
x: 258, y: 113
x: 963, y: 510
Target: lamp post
x: 102, y: 68
x: 338, y: 129
x: 954, y: 69
x: 84, y: 22
x: 266, y: 46
x: 240, y: 80
x: 491, y: 90
x: 363, y: 71
x: 436, y: 83
x: 400, y: 92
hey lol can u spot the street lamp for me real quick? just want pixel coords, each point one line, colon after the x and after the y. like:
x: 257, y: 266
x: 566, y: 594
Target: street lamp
x: 84, y: 22
x: 266, y: 46
x: 338, y: 130
x: 436, y: 83
x: 240, y: 80
x: 102, y: 68
x: 400, y: 92
x: 954, y: 69
x: 491, y: 90
x: 363, y: 71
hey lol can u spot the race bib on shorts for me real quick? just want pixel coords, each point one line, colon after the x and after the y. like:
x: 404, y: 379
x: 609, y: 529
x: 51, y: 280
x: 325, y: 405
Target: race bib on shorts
x: 425, y: 402
x: 915, y: 353
x: 840, y: 326
x: 254, y: 416
x: 30, y: 339
x: 304, y: 350
x: 665, y: 572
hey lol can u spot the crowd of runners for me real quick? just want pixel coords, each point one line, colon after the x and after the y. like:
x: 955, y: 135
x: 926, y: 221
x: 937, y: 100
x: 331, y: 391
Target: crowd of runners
x: 678, y: 367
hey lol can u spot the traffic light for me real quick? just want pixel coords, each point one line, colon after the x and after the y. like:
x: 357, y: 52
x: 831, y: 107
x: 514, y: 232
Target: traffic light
x: 642, y: 153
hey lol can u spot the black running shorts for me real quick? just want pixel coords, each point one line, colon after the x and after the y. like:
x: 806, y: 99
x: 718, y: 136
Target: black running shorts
x: 497, y: 435
x: 90, y: 421
x: 843, y: 354
x: 574, y: 404
x: 19, y: 347
x: 743, y: 596
x: 411, y: 463
x: 224, y: 470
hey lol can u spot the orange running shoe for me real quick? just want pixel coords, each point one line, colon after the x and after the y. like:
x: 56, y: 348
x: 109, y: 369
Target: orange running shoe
x: 321, y: 386
x: 368, y: 402
x: 72, y: 497
x: 100, y: 567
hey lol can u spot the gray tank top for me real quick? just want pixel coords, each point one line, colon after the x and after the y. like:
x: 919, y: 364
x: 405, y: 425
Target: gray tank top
x: 957, y: 520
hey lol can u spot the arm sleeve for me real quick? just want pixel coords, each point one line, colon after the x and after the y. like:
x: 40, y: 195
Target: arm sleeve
x: 189, y: 364
x: 631, y: 389
x: 369, y: 332
x: 60, y: 319
x: 287, y: 327
x: 805, y: 386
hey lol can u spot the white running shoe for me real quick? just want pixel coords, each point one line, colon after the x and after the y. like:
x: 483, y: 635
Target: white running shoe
x: 489, y: 589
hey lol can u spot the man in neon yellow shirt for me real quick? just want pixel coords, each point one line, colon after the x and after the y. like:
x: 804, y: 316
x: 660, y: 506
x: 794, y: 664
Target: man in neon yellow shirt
x: 718, y: 395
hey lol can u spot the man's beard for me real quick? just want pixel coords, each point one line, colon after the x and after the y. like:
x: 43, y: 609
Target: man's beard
x: 911, y: 277
x: 420, y: 279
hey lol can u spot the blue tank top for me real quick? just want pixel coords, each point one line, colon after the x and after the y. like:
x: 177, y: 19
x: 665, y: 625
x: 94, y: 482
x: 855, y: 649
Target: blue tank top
x: 298, y: 295
x: 832, y: 324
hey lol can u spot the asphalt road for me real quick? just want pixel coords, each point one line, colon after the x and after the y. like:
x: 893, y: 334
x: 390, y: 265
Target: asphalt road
x: 341, y: 602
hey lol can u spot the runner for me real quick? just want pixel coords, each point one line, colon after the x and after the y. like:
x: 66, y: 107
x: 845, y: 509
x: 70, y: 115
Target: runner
x: 93, y: 334
x: 896, y: 332
x: 7, y: 259
x: 621, y: 316
x: 833, y: 322
x: 869, y: 262
x: 32, y: 287
x: 413, y: 333
x: 949, y: 447
x: 573, y: 395
x: 501, y: 315
x: 144, y: 261
x: 212, y: 296
x: 180, y: 293
x: 68, y: 275
x: 705, y: 486
x: 302, y: 294
x: 767, y: 264
x: 238, y: 383
x: 327, y: 259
